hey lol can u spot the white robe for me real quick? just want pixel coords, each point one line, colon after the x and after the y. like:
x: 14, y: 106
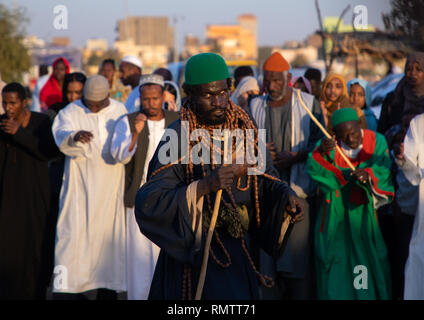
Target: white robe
x: 90, y: 239
x: 413, y: 168
x: 133, y: 101
x: 142, y: 254
x: 36, y: 105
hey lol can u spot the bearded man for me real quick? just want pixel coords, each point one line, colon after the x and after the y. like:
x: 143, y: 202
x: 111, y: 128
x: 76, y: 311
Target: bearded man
x: 173, y: 209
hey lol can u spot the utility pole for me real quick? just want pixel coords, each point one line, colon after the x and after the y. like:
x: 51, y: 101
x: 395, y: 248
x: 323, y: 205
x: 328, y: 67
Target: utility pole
x: 176, y: 19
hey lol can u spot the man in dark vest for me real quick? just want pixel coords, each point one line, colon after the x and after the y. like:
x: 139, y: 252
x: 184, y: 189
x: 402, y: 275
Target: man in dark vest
x: 134, y: 142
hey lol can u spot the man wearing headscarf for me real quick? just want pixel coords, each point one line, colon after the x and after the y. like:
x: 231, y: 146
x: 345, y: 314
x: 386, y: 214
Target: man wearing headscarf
x: 350, y: 254
x: 291, y: 135
x: 51, y: 92
x: 174, y: 207
x: 90, y: 243
x: 408, y: 94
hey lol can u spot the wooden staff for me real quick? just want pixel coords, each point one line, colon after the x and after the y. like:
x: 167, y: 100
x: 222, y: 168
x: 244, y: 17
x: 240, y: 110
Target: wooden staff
x: 202, y: 276
x: 324, y: 131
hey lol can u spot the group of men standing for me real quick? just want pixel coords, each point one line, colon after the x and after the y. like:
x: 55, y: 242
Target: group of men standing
x: 129, y: 222
x: 107, y: 151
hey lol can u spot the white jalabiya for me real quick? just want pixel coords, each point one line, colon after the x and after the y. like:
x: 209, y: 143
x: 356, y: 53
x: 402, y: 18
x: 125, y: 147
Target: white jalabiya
x: 90, y: 240
x: 413, y: 168
x: 133, y: 101
x: 36, y: 105
x: 142, y: 254
x: 156, y: 131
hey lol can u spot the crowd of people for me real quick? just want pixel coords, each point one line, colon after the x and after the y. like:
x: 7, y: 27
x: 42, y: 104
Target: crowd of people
x: 89, y: 207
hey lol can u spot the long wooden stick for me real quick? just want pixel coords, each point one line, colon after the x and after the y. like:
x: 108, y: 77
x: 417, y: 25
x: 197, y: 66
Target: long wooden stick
x: 217, y: 204
x: 324, y: 131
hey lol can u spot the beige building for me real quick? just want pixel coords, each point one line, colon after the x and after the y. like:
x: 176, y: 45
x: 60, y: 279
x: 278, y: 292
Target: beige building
x: 96, y: 45
x: 237, y: 41
x: 152, y: 31
x: 152, y: 56
x: 61, y: 41
x: 149, y: 38
x: 193, y: 45
x: 233, y: 42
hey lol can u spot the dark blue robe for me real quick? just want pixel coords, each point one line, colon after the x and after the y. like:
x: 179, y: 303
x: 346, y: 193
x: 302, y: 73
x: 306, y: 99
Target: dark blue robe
x: 163, y: 216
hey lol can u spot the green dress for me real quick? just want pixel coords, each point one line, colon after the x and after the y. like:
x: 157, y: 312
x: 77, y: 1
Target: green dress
x: 350, y: 253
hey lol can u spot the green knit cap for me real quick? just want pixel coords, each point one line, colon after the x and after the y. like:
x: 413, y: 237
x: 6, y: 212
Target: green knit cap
x: 343, y: 115
x: 205, y: 68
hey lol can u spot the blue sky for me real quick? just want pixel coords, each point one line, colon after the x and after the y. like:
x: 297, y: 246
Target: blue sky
x: 278, y: 20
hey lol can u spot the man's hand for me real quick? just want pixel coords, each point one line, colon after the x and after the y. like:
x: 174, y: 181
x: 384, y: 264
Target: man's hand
x: 221, y: 178
x: 139, y: 122
x: 361, y: 175
x: 83, y: 136
x: 295, y: 208
x: 9, y: 126
x: 327, y: 145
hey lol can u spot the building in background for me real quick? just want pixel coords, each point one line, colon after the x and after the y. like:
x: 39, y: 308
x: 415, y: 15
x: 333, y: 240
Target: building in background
x: 232, y: 41
x: 44, y: 53
x: 61, y: 42
x: 149, y: 38
x: 96, y: 44
x: 94, y: 52
x: 235, y: 42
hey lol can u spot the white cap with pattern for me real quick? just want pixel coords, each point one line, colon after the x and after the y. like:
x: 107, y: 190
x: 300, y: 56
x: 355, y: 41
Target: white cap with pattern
x: 152, y: 79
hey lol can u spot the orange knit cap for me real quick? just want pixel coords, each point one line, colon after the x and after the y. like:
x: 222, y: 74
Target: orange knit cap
x: 277, y: 63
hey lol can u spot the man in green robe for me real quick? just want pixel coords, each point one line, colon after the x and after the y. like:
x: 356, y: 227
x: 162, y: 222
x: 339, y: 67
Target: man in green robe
x: 350, y: 253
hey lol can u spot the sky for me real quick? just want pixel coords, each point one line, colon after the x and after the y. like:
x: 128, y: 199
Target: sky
x: 278, y: 20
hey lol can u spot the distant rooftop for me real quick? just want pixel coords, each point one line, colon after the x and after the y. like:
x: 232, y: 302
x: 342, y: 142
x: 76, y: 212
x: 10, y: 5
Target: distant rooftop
x: 247, y: 16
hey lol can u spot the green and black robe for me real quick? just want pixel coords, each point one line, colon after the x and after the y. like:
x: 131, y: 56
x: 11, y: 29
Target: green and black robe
x: 350, y: 253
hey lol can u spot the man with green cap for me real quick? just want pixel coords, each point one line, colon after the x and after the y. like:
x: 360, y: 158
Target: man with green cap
x: 350, y: 253
x: 174, y: 208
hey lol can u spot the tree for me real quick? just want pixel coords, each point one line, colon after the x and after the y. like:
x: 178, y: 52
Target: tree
x: 14, y: 57
x: 406, y: 18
